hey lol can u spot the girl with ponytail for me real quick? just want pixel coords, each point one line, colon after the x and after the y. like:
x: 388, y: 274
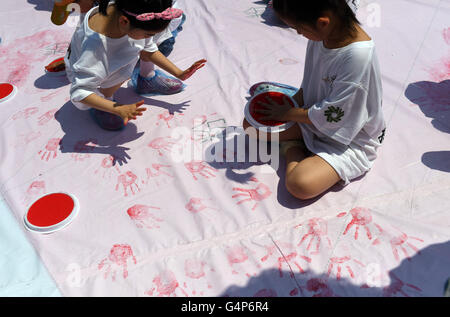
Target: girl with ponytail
x: 340, y: 120
x: 105, y: 49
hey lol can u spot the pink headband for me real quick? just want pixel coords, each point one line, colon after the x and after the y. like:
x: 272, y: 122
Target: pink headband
x: 168, y: 14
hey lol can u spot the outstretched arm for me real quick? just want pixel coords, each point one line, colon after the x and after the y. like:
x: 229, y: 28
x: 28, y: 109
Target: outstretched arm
x: 160, y: 60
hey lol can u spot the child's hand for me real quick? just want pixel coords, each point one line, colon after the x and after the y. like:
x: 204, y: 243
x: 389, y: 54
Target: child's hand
x: 191, y: 70
x: 275, y: 111
x: 130, y: 112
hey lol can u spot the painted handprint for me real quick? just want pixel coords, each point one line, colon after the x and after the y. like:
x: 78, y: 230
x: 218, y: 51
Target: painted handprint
x: 161, y: 144
x: 194, y: 269
x: 167, y: 117
x: 27, y: 138
x: 317, y: 228
x: 201, y: 168
x: 46, y: 117
x: 361, y: 217
x: 157, y: 172
x: 50, y: 148
x: 26, y: 113
x: 397, y: 286
x: 142, y: 216
x: 82, y: 149
x: 107, y: 167
x: 256, y: 195
x: 197, y: 205
x: 236, y: 255
x: 291, y: 257
x: 401, y: 242
x: 166, y: 285
x: 118, y: 258
x: 35, y: 189
x: 128, y: 180
x: 339, y: 262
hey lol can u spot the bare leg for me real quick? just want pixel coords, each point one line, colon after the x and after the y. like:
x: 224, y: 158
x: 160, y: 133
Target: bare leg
x: 109, y: 92
x: 306, y: 177
x: 147, y: 69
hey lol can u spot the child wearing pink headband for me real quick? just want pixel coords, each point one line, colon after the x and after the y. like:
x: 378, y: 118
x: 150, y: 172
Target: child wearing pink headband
x: 105, y: 49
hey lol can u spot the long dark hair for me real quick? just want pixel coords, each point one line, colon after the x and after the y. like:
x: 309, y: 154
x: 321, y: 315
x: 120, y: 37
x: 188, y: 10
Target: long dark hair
x: 139, y: 7
x: 308, y: 11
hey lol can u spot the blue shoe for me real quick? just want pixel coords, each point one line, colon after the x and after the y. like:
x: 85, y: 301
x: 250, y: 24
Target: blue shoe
x: 160, y: 84
x: 271, y: 86
x: 106, y: 120
x: 166, y: 47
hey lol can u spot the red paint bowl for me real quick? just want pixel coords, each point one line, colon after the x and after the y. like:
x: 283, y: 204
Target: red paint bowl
x: 51, y: 213
x: 254, y: 118
x: 7, y: 92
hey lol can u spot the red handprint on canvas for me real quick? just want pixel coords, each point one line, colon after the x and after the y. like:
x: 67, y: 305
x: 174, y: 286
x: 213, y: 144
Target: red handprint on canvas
x: 258, y: 194
x: 161, y: 144
x: 166, y: 285
x: 118, y: 258
x: 142, y: 216
x: 128, y: 181
x: 317, y: 229
x: 361, y: 217
x: 200, y: 168
x: 50, y: 149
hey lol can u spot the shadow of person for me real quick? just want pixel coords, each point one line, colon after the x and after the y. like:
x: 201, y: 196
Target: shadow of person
x: 424, y: 274
x: 130, y: 96
x: 83, y: 135
x: 236, y: 152
x: 41, y: 5
x: 232, y: 153
x: 438, y: 160
x: 51, y: 82
x: 269, y: 16
x: 433, y: 100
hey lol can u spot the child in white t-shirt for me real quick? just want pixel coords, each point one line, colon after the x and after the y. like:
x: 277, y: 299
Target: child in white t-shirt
x: 105, y: 49
x: 340, y: 119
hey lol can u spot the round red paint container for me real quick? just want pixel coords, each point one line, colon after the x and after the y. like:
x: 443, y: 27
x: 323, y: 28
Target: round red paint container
x: 254, y: 118
x: 51, y: 213
x: 7, y: 92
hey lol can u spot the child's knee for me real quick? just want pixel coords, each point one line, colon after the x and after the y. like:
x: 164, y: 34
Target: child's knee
x: 300, y: 187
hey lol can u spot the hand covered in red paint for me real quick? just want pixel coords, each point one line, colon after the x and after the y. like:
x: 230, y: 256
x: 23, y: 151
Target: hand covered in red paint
x: 275, y: 111
x: 191, y: 70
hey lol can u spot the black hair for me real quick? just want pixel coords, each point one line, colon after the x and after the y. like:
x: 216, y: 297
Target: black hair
x: 308, y: 11
x: 140, y: 7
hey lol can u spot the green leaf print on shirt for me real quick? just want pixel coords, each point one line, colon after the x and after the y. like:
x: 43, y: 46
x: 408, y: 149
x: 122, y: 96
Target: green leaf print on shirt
x: 334, y: 114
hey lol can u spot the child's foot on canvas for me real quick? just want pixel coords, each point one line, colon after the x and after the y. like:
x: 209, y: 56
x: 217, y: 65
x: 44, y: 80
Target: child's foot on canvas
x: 56, y: 67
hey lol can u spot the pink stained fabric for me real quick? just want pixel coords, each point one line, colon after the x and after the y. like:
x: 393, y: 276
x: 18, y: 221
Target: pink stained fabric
x: 154, y: 226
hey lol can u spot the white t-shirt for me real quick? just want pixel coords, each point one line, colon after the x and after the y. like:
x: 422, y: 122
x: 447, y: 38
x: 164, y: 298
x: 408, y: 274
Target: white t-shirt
x: 96, y: 61
x: 342, y: 90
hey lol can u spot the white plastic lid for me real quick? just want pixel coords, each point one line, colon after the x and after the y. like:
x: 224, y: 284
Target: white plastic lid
x: 7, y: 92
x: 51, y: 212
